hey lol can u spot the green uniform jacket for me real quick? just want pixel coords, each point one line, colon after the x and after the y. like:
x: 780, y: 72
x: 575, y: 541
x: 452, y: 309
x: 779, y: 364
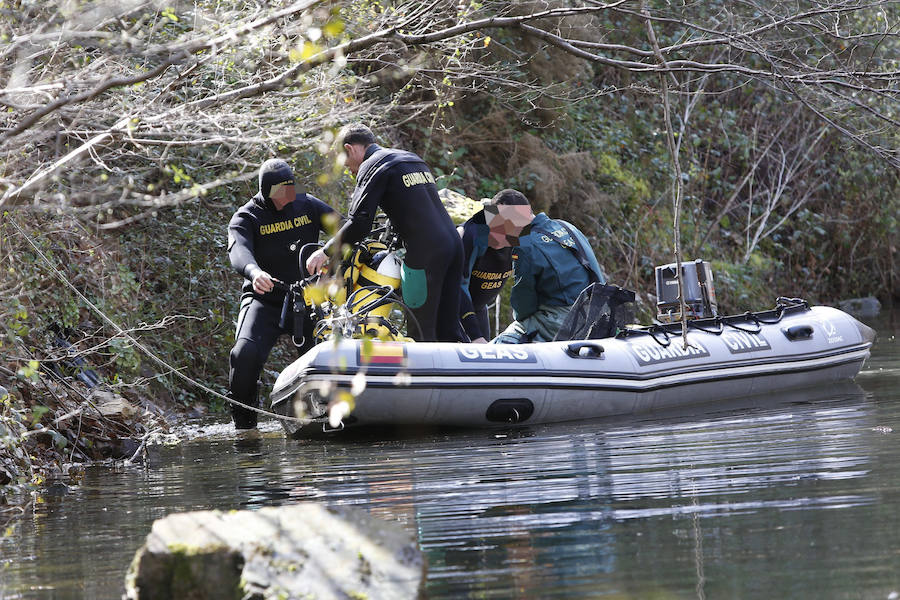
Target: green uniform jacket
x: 547, y: 270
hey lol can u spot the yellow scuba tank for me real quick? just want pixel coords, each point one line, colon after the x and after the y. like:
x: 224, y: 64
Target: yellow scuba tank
x: 369, y: 274
x: 373, y: 266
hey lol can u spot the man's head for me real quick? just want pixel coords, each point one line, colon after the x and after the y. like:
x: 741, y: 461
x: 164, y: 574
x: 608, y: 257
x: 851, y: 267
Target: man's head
x: 507, y: 214
x: 354, y: 139
x: 276, y: 182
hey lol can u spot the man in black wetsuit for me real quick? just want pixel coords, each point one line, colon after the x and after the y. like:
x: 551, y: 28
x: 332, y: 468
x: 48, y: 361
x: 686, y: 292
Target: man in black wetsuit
x: 260, y: 236
x: 402, y: 185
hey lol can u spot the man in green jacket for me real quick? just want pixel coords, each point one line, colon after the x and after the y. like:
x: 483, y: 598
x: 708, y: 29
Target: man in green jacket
x: 552, y: 263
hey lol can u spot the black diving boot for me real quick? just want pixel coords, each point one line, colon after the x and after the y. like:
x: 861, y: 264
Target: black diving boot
x: 245, y: 418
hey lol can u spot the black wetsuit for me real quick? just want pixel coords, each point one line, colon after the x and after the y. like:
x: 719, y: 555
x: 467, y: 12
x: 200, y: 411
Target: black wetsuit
x: 260, y: 237
x: 402, y: 185
x: 485, y: 270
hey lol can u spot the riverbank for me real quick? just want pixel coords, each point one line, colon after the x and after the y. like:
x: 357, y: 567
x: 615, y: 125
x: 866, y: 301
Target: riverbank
x: 52, y: 427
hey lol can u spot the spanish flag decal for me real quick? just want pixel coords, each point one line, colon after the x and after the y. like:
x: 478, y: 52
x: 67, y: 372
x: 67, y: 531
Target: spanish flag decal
x: 381, y: 353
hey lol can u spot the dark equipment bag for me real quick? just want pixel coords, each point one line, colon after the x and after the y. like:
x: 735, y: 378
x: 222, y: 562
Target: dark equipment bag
x: 600, y: 311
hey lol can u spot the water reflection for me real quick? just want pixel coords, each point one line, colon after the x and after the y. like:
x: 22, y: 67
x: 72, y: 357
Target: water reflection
x: 518, y: 514
x: 791, y: 496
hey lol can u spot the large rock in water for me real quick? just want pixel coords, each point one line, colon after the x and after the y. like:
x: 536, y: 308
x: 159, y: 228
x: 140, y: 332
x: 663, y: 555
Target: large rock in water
x: 861, y: 308
x: 300, y: 551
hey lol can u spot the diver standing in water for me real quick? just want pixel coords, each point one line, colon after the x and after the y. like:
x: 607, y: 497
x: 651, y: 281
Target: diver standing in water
x: 401, y: 184
x: 260, y: 237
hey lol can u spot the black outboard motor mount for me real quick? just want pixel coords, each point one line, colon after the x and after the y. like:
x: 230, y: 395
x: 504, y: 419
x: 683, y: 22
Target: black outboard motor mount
x: 699, y: 291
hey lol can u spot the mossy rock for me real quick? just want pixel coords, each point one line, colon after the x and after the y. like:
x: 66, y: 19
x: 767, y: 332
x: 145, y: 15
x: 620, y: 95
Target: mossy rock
x: 298, y: 551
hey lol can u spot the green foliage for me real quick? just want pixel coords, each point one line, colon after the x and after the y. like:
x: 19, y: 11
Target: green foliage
x: 185, y: 274
x: 620, y: 182
x: 126, y: 357
x: 179, y: 175
x: 37, y: 413
x: 29, y: 370
x: 17, y: 473
x: 743, y: 287
x: 445, y: 165
x: 16, y: 322
x: 488, y: 186
x: 817, y: 251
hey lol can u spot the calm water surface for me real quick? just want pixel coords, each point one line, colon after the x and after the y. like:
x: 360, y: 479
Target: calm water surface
x: 789, y: 497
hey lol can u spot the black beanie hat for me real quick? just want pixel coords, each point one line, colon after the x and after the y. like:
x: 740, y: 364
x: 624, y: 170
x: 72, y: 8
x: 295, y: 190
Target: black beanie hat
x: 509, y: 197
x: 272, y: 172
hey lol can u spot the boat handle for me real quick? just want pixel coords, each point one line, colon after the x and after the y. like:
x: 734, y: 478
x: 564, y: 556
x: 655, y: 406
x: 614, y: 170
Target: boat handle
x: 327, y: 428
x: 584, y: 350
x: 798, y: 332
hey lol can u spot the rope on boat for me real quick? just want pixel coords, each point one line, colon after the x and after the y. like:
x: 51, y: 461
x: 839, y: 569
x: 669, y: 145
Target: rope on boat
x: 662, y: 333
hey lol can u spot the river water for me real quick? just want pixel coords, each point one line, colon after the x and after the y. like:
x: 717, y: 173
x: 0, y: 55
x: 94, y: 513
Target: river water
x: 785, y: 497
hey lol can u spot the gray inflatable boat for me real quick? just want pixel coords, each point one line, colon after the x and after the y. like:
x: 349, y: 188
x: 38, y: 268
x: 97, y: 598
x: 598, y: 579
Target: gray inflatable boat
x: 637, y: 371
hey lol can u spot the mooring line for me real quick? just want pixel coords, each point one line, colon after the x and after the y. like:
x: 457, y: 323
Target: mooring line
x: 121, y: 332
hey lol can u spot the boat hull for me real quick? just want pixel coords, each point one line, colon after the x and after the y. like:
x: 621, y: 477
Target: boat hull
x: 476, y: 385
